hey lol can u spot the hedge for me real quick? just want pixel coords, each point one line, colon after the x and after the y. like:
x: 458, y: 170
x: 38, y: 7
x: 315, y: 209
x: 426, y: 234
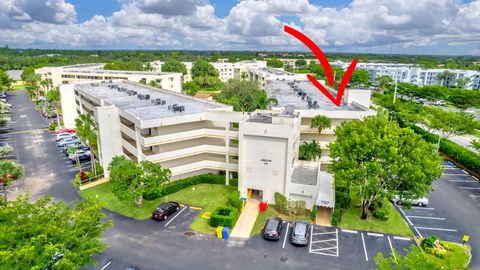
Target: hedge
x: 175, y: 186
x: 224, y: 216
x: 336, y: 217
x: 234, y: 200
x: 460, y: 154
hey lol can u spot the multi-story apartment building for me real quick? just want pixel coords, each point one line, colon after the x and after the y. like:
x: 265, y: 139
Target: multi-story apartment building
x: 226, y: 70
x: 262, y: 75
x: 419, y: 76
x: 192, y: 136
x: 89, y: 72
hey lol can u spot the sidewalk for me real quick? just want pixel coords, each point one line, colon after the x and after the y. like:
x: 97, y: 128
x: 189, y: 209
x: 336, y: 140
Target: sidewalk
x: 246, y: 220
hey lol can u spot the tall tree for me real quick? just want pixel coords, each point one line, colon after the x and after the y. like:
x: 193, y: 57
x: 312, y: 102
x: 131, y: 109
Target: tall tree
x: 383, y: 82
x: 174, y: 66
x: 310, y: 151
x: 462, y: 82
x: 85, y: 129
x: 131, y: 180
x: 202, y: 68
x: 9, y: 172
x: 445, y: 76
x: 320, y: 122
x: 300, y: 62
x: 241, y: 95
x: 262, y: 101
x: 53, y: 98
x: 415, y: 259
x: 49, y: 235
x: 5, y: 80
x: 359, y: 77
x: 275, y: 63
x: 380, y: 158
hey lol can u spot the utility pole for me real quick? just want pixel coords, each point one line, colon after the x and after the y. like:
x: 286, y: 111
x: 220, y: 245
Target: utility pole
x: 395, y: 93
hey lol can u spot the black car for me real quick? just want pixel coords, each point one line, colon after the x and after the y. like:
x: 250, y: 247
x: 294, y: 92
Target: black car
x: 164, y: 210
x: 272, y: 228
x: 300, y: 233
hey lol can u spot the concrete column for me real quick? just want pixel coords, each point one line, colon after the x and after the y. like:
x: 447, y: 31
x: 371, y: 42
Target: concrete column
x: 109, y: 137
x: 227, y: 147
x: 138, y: 134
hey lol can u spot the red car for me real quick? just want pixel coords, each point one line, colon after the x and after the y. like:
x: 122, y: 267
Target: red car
x: 63, y: 130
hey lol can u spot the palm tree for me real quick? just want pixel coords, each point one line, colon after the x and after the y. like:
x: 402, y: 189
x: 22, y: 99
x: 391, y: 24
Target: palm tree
x: 85, y: 130
x: 244, y: 75
x: 262, y: 101
x: 320, y: 122
x: 444, y: 76
x: 45, y: 85
x: 53, y: 97
x: 310, y: 151
x: 9, y: 172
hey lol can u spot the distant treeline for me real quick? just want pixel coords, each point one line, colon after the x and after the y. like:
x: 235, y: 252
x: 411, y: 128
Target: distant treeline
x: 23, y: 58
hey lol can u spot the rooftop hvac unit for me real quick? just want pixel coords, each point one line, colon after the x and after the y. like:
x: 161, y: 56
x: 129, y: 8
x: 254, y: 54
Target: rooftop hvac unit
x: 147, y: 96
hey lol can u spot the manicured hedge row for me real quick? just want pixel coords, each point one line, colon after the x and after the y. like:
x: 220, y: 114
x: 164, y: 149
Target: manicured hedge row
x: 175, y: 186
x: 460, y: 154
x: 224, y: 216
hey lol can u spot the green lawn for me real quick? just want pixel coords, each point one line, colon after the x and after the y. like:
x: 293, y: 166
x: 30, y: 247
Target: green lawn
x: 207, y: 196
x: 456, y: 258
x: 271, y: 212
x: 394, y: 225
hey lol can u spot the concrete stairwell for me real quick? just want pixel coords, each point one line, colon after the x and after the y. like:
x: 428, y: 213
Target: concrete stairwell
x: 246, y: 220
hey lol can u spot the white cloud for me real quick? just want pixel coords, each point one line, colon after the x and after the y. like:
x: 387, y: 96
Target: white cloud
x: 250, y: 24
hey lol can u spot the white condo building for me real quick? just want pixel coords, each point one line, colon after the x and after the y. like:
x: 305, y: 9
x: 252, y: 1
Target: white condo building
x: 226, y: 70
x: 414, y: 74
x: 88, y: 72
x: 192, y: 136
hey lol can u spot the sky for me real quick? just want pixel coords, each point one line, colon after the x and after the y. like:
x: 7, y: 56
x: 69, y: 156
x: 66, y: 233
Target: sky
x: 444, y: 27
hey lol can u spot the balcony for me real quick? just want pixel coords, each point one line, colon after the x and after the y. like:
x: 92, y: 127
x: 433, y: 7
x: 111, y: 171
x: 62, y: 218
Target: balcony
x: 186, y: 152
x: 186, y: 135
x: 128, y: 145
x: 128, y: 131
x: 206, y: 164
x: 308, y: 129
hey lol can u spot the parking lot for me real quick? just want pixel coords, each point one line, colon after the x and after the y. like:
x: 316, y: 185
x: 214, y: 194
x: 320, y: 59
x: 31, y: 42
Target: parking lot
x: 347, y: 249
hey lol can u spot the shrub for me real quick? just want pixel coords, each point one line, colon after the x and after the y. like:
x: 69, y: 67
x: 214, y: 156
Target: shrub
x: 429, y: 242
x: 440, y: 253
x: 234, y: 200
x: 296, y: 208
x: 382, y: 214
x: 446, y: 245
x: 313, y: 213
x: 336, y: 217
x: 280, y: 203
x: 53, y: 126
x: 342, y: 199
x: 178, y: 185
x: 224, y: 216
x: 376, y: 205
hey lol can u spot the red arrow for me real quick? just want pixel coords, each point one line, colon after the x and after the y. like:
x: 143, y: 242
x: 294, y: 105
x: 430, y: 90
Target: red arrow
x: 326, y: 67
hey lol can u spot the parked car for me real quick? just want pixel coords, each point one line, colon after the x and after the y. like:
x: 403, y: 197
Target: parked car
x: 300, y: 233
x: 164, y: 210
x: 65, y: 142
x: 79, y: 156
x: 272, y: 228
x: 61, y: 136
x: 70, y: 145
x: 64, y: 130
x: 418, y: 202
x: 78, y: 147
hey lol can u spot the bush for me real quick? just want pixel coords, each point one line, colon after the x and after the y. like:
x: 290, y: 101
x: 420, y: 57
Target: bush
x: 342, y: 199
x: 296, y: 208
x: 429, y: 242
x: 53, y: 126
x: 382, y: 214
x: 280, y: 203
x: 224, y: 216
x: 336, y: 217
x: 175, y: 186
x: 313, y: 213
x: 460, y: 154
x: 234, y: 200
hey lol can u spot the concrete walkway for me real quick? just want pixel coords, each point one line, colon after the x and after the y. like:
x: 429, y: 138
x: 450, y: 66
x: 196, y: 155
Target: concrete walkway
x: 323, y: 216
x: 246, y: 220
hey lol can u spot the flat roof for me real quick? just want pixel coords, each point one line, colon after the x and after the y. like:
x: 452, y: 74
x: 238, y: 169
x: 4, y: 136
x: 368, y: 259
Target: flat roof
x: 15, y: 74
x: 145, y: 109
x: 288, y: 98
x: 274, y: 71
x: 305, y: 175
x: 106, y: 71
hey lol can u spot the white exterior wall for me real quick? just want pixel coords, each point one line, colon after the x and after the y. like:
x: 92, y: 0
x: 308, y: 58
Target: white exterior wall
x: 67, y: 102
x: 109, y: 138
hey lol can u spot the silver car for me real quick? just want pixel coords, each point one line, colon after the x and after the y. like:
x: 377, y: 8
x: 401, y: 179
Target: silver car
x: 418, y: 202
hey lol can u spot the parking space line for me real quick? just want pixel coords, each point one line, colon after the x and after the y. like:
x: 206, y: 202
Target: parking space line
x: 453, y: 174
x: 375, y: 234
x: 324, y: 233
x: 349, y: 231
x: 391, y: 247
x: 364, y: 248
x: 338, y: 244
x: 403, y: 213
x: 436, y: 229
x: 106, y: 265
x: 435, y: 218
x: 175, y: 216
x: 402, y: 238
x: 468, y: 188
x: 474, y: 177
x: 311, y: 233
x: 464, y: 171
x: 419, y: 234
x: 422, y: 208
x: 286, y: 234
x: 474, y: 196
x: 462, y: 181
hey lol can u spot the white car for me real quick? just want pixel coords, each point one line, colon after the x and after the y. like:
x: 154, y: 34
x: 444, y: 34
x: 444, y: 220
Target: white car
x: 63, y: 136
x: 418, y: 202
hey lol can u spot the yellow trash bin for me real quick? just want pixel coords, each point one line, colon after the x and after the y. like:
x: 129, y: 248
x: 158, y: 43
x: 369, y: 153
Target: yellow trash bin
x: 219, y: 231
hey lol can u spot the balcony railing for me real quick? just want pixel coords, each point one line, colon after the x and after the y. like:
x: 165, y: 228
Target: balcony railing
x: 186, y: 135
x: 190, y: 151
